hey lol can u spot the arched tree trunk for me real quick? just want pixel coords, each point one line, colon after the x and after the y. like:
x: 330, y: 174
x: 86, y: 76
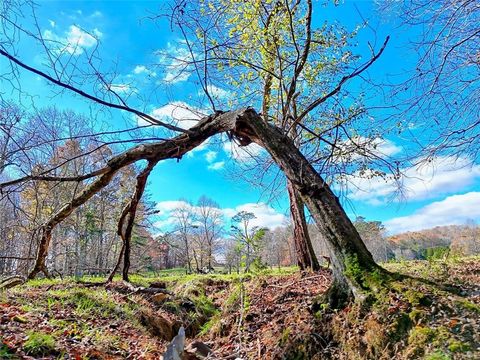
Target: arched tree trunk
x: 306, y: 257
x: 352, y: 263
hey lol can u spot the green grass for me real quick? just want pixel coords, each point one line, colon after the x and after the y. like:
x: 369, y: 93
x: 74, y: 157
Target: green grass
x: 174, y: 276
x: 39, y: 344
x: 6, y: 353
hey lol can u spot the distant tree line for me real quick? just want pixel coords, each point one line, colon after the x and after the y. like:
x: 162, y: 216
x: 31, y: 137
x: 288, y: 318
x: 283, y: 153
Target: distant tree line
x: 87, y: 242
x: 200, y: 240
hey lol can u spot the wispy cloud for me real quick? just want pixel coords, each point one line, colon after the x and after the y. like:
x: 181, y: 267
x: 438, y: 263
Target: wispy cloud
x: 210, y: 156
x: 358, y: 147
x: 216, y: 92
x: 96, y: 14
x: 176, y: 60
x: 242, y: 153
x: 216, y: 165
x: 178, y: 113
x: 121, y: 88
x: 142, y: 69
x: 440, y: 176
x: 74, y: 41
x: 266, y: 216
x: 453, y: 210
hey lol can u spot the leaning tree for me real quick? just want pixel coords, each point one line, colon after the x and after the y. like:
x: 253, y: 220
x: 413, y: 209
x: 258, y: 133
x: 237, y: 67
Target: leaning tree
x: 350, y: 258
x: 272, y: 55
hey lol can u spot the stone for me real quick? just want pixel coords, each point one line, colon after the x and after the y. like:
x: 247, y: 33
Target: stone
x: 159, y: 298
x: 158, y: 324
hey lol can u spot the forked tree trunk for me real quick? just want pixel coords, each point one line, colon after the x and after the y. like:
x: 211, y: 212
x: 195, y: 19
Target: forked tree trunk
x: 306, y: 257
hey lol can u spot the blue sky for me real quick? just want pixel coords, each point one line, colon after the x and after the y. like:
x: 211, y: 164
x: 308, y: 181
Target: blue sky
x: 444, y: 192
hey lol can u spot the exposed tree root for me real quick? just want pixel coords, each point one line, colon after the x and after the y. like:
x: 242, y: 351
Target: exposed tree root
x: 12, y: 281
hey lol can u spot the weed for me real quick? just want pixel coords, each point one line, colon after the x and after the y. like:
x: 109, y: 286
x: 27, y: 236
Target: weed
x: 438, y: 355
x: 6, y: 353
x: 39, y: 344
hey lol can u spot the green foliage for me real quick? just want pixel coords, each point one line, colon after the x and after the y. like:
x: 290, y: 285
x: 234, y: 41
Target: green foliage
x: 369, y: 280
x: 6, y: 353
x: 353, y: 270
x: 438, y: 355
x: 205, y: 306
x: 211, y: 324
x: 435, y: 253
x: 258, y: 265
x: 458, y: 346
x: 284, y: 337
x: 39, y: 344
x: 468, y: 305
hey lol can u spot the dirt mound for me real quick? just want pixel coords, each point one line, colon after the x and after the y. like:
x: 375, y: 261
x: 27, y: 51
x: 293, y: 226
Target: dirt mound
x: 270, y: 317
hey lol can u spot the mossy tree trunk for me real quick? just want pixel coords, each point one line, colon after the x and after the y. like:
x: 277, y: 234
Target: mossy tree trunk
x: 351, y: 260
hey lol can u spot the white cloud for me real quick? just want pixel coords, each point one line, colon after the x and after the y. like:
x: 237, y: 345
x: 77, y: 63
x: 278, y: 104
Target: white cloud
x: 216, y: 165
x: 178, y: 113
x: 216, y: 92
x: 386, y: 147
x: 139, y: 69
x: 165, y: 207
x: 441, y: 176
x: 52, y: 23
x: 142, y: 69
x: 210, y: 156
x: 266, y: 216
x: 177, y: 61
x: 359, y: 145
x: 121, y: 88
x: 202, y: 147
x: 173, y: 77
x: 242, y: 153
x: 75, y: 41
x: 453, y: 210
x: 96, y: 14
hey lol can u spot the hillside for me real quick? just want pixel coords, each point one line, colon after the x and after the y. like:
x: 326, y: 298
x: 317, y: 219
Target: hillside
x: 460, y: 239
x: 269, y: 315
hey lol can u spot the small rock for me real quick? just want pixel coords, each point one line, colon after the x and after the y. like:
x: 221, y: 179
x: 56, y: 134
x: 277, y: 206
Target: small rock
x: 198, y: 349
x: 159, y: 298
x: 158, y: 324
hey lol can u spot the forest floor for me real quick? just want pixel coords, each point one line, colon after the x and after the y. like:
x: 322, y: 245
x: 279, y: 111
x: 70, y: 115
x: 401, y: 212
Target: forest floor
x: 274, y: 314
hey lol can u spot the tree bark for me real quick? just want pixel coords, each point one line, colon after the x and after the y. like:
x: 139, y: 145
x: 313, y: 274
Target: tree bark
x: 127, y: 220
x: 306, y: 257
